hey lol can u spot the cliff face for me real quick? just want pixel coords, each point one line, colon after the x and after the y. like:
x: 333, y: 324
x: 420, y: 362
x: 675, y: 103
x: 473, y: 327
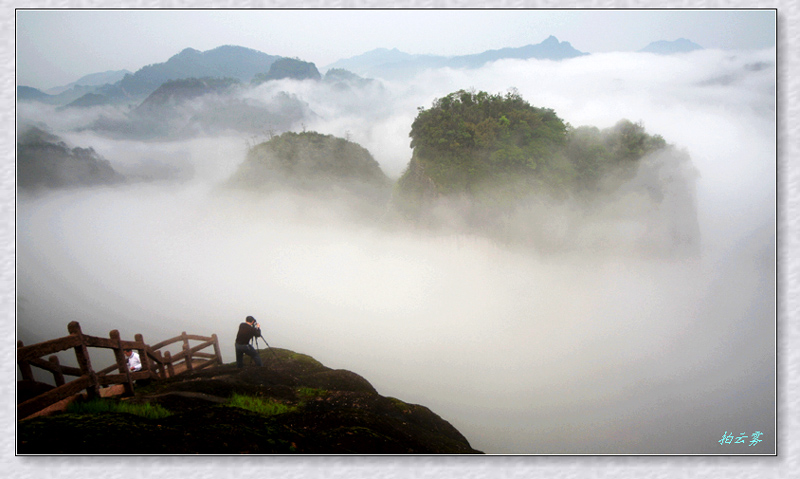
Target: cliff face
x: 317, y: 410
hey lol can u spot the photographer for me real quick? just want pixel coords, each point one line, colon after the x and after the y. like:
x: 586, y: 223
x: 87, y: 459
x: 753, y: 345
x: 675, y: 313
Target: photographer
x: 247, y: 331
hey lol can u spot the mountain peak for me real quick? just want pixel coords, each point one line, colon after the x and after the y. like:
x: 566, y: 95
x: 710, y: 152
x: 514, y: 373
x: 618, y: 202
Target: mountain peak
x: 187, y: 54
x: 382, y: 62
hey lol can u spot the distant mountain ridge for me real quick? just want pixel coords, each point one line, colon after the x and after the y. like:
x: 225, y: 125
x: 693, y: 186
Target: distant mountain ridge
x: 92, y: 79
x: 227, y: 61
x: 665, y: 47
x: 28, y: 93
x: 550, y: 49
x: 380, y: 56
x: 393, y: 63
x: 174, y: 92
x: 288, y: 68
x: 246, y: 64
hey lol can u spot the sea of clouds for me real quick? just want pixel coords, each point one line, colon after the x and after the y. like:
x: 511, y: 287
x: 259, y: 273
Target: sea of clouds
x: 575, y: 352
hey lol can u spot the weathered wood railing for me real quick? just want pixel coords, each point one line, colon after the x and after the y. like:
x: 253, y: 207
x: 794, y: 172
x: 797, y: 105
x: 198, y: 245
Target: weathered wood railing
x: 155, y: 365
x: 190, y: 357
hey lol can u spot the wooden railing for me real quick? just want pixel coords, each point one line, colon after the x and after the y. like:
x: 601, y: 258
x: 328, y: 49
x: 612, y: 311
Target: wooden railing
x: 191, y: 358
x: 155, y: 364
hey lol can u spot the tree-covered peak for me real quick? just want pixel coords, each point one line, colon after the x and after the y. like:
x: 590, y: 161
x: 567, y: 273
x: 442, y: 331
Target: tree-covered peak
x: 470, y: 139
x: 489, y: 158
x: 309, y: 160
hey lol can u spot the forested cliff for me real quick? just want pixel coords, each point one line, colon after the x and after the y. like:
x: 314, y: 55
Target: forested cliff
x: 496, y: 162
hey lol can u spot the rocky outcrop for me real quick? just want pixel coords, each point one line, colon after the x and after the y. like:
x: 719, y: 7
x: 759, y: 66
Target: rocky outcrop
x: 325, y: 411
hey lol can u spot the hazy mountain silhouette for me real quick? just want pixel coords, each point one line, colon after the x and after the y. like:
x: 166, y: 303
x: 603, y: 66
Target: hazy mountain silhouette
x: 44, y: 160
x: 665, y: 47
x: 175, y: 92
x: 92, y: 79
x: 246, y: 64
x: 383, y: 58
x: 28, y: 93
x: 393, y: 63
x: 288, y: 68
x: 87, y: 101
x: 192, y: 107
x: 227, y: 61
x: 344, y: 79
x: 550, y: 49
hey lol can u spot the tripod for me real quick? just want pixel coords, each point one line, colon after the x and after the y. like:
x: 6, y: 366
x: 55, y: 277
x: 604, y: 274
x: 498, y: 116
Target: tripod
x: 255, y: 338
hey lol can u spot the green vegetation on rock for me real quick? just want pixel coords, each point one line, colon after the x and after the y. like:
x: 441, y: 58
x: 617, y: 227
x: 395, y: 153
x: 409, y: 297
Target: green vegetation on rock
x: 263, y: 406
x: 312, y: 392
x: 309, y: 160
x: 102, y: 405
x: 475, y: 143
x: 469, y: 141
x: 497, y: 164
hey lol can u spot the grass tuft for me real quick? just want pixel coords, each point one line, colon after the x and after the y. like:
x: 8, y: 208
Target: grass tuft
x: 99, y: 406
x: 312, y: 392
x: 265, y: 407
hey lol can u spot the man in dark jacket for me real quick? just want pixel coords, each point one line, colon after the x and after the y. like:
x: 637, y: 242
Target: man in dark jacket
x: 247, y: 331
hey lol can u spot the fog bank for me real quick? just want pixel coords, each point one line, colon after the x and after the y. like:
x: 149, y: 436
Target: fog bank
x: 585, y: 351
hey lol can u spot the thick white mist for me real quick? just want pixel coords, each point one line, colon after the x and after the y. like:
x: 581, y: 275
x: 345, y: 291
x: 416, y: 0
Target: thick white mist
x: 579, y: 352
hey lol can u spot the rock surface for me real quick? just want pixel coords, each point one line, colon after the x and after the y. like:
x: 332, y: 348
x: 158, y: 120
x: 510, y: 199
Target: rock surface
x: 328, y: 412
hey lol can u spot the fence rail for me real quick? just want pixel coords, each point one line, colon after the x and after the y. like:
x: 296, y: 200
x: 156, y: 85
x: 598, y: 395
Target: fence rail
x: 155, y: 364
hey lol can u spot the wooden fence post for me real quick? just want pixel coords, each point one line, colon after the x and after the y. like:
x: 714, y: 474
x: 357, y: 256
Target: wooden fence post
x: 170, y: 367
x: 217, y: 351
x: 58, y: 376
x: 187, y: 350
x: 161, y: 369
x: 82, y: 355
x: 24, y: 366
x: 122, y: 362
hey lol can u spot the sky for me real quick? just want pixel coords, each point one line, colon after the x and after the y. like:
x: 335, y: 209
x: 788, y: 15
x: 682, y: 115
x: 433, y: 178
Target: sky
x: 54, y: 48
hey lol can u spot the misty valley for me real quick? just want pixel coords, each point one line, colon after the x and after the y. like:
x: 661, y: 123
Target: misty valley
x: 480, y: 163
x: 557, y: 254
